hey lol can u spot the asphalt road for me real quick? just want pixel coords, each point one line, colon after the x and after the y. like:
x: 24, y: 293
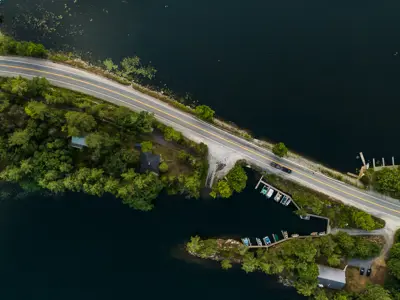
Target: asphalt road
x: 85, y: 82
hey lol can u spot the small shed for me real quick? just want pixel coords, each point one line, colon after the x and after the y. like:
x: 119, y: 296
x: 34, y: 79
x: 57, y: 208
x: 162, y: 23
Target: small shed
x: 149, y: 162
x: 78, y: 142
x: 331, y: 278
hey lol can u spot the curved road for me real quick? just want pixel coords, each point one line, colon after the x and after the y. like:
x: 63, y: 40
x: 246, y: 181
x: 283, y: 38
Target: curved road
x: 88, y: 83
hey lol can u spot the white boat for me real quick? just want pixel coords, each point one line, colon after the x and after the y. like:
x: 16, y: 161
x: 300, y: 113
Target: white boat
x: 270, y: 192
x: 288, y: 202
x: 278, y: 197
x: 259, y: 243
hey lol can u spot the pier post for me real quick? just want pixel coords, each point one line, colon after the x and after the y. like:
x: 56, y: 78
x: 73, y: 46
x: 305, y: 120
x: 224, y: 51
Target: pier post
x: 393, y: 160
x: 373, y: 162
x: 362, y: 158
x: 259, y: 182
x: 383, y: 161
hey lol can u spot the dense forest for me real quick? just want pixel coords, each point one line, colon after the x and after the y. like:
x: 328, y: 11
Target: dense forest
x: 37, y: 122
x: 295, y: 260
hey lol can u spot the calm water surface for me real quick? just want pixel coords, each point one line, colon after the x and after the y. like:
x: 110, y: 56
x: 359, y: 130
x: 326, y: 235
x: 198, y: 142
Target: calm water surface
x: 320, y: 75
x: 81, y: 247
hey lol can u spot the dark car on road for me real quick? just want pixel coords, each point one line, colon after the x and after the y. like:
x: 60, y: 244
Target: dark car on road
x: 282, y: 168
x: 362, y: 270
x: 369, y: 271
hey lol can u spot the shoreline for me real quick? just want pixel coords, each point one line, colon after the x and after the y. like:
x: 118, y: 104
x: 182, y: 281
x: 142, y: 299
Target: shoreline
x: 232, y: 128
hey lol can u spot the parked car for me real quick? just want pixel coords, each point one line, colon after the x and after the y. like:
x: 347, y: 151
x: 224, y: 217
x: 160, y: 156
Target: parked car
x: 369, y: 270
x: 282, y: 168
x: 362, y: 270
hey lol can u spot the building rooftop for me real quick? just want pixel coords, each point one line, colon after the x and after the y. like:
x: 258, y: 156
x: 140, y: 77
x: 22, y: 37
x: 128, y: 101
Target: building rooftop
x: 78, y: 142
x: 149, y: 162
x: 331, y: 277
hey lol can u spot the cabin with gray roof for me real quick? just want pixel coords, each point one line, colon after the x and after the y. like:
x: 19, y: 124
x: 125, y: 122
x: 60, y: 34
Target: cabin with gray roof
x: 331, y: 278
x: 149, y: 162
x: 78, y: 142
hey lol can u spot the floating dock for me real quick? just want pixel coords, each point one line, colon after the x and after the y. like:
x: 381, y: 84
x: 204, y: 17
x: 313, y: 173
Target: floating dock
x: 283, y: 198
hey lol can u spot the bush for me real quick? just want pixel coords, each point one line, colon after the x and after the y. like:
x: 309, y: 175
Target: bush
x: 163, y: 167
x: 280, y: 150
x: 147, y: 146
x: 204, y: 112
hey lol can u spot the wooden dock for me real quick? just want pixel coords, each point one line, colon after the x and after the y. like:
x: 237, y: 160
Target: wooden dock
x: 284, y: 240
x: 274, y: 188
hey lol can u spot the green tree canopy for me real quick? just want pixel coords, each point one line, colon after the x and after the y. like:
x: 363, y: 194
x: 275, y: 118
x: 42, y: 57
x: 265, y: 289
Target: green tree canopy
x: 205, y: 112
x: 363, y: 220
x: 223, y: 189
x: 374, y: 292
x: 250, y: 263
x: 36, y: 110
x: 79, y: 123
x: 237, y: 178
x: 226, y: 264
x: 163, y: 167
x: 18, y: 86
x: 147, y: 146
x: 280, y: 150
x: 109, y: 64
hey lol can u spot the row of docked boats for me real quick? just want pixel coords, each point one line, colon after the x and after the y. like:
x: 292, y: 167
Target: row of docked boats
x: 279, y: 197
x: 267, y: 241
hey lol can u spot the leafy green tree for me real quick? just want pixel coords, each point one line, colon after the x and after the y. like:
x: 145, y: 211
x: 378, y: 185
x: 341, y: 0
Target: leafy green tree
x: 237, y: 178
x: 139, y: 190
x: 341, y: 296
x: 226, y: 264
x: 144, y: 122
x: 394, y: 267
x: 327, y: 245
x: 171, y: 134
x: 280, y: 149
x: 205, y: 113
x: 132, y: 67
x: 395, y: 251
x: 345, y: 242
x: 36, y: 110
x: 38, y: 86
x: 320, y: 295
x: 374, y: 292
x: 147, y: 146
x: 363, y: 220
x: 79, y: 123
x: 305, y: 288
x: 12, y: 173
x: 334, y: 260
x: 163, y: 167
x: 17, y: 86
x: 224, y: 190
x: 30, y: 49
x: 307, y: 271
x: 387, y: 181
x: 364, y: 248
x: 250, y: 263
x: 194, y: 245
x: 111, y: 185
x: 19, y: 138
x: 109, y: 64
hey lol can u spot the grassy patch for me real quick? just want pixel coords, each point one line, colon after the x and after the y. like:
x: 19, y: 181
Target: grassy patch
x: 354, y: 281
x: 169, y: 154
